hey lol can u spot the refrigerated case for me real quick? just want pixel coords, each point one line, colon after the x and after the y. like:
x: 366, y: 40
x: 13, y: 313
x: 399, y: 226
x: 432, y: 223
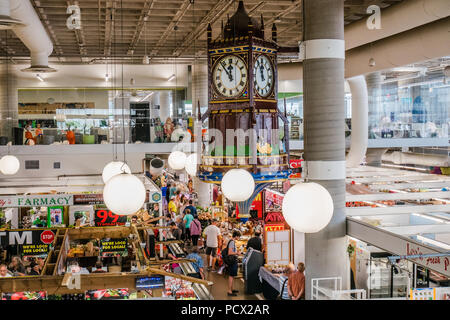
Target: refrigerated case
x: 251, y: 263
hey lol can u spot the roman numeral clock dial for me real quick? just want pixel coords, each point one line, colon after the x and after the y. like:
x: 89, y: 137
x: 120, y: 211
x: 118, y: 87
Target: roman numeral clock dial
x: 230, y: 76
x: 263, y: 73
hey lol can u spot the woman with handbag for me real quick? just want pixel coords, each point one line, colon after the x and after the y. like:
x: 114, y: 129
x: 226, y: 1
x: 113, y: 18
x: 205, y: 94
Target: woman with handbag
x: 231, y: 261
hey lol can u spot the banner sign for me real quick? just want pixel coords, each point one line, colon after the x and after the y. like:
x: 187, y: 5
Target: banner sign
x: 114, y: 245
x: 105, y: 217
x: 274, y: 197
x: 258, y: 205
x: 36, y: 201
x: 97, y: 198
x: 30, y: 242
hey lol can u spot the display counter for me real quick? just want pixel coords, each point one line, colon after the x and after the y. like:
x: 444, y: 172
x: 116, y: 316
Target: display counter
x: 272, y: 283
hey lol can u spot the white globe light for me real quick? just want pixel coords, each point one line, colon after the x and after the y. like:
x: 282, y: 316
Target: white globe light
x: 9, y: 165
x: 307, y: 207
x: 114, y: 168
x: 177, y: 160
x: 238, y: 185
x: 124, y: 194
x: 191, y: 164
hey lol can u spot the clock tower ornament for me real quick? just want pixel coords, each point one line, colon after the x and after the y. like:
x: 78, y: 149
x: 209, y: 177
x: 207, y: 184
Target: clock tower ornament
x: 243, y: 117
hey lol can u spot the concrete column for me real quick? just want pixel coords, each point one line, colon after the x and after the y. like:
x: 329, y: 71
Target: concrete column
x: 9, y: 98
x: 199, y: 86
x: 164, y: 102
x: 373, y: 81
x: 324, y: 114
x: 204, y: 191
x: 359, y: 135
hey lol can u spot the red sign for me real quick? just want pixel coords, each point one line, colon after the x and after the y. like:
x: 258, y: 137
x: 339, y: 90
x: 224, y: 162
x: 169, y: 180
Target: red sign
x: 274, y: 217
x: 104, y: 218
x: 274, y: 197
x: 47, y: 237
x: 257, y: 205
x: 295, y: 163
x: 274, y: 227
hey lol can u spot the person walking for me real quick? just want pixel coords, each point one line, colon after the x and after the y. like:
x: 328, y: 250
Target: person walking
x: 296, y: 283
x: 195, y: 230
x: 232, y: 262
x: 198, y: 264
x: 188, y: 218
x: 213, y: 236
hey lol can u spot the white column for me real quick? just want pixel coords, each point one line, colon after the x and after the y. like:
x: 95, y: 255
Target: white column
x: 204, y: 192
x: 164, y: 102
x: 199, y: 86
x: 360, y: 105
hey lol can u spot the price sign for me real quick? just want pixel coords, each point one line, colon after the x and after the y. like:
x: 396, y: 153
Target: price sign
x: 105, y: 218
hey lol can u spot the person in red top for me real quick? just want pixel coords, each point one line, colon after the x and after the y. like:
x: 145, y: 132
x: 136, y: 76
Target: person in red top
x: 296, y: 283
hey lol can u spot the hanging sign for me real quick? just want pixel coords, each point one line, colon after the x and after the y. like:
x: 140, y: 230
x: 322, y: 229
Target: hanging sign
x: 91, y: 198
x: 274, y: 197
x: 104, y: 218
x: 257, y: 205
x: 113, y: 245
x: 155, y: 197
x: 74, y: 21
x: 29, y: 242
x: 36, y: 201
x: 274, y: 227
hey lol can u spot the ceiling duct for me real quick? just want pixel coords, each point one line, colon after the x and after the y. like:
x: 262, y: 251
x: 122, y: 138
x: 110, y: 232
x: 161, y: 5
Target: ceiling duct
x: 6, y: 22
x: 33, y: 35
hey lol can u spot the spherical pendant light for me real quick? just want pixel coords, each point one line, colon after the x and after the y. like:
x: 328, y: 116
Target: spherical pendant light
x: 191, y: 164
x: 114, y: 168
x: 177, y: 160
x: 307, y: 207
x: 238, y: 185
x: 9, y: 165
x: 124, y: 194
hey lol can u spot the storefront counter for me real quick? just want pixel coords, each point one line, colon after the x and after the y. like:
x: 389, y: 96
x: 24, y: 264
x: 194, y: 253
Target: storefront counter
x: 272, y: 283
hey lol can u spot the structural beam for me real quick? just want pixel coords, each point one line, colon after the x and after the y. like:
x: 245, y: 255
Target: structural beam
x: 392, y: 210
x: 398, y: 196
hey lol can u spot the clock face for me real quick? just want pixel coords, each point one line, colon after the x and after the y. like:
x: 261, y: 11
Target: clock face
x: 230, y: 76
x: 263, y: 76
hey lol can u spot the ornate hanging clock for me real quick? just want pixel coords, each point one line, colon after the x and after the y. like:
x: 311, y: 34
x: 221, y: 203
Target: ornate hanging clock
x: 242, y: 95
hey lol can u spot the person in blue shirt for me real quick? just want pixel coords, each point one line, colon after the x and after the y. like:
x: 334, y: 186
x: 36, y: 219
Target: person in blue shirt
x: 198, y: 264
x: 191, y: 208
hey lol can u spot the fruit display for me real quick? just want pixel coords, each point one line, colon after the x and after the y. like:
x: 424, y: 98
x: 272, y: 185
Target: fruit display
x: 37, y: 295
x: 204, y: 216
x: 180, y: 289
x: 107, y: 294
x: 277, y: 268
x: 80, y: 250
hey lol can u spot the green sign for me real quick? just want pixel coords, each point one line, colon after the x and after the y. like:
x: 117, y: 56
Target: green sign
x: 36, y: 201
x: 156, y: 197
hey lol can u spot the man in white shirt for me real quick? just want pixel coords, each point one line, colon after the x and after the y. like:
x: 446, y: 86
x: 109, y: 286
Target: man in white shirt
x: 213, y: 236
x: 4, y: 271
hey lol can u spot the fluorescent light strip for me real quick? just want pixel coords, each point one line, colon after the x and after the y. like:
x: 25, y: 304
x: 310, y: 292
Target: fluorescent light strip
x: 40, y: 78
x: 434, y: 242
x: 171, y: 78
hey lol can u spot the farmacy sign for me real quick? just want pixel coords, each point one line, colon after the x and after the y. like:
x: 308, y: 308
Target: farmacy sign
x: 36, y: 201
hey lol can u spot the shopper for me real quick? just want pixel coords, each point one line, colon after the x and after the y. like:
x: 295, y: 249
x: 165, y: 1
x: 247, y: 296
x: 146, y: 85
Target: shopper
x: 255, y: 242
x: 195, y: 230
x: 231, y: 261
x: 4, y: 273
x: 198, y: 264
x: 182, y: 226
x: 172, y: 207
x: 296, y: 283
x: 213, y: 237
x: 188, y: 218
x: 192, y: 208
x: 16, y: 266
x: 176, y: 232
x: 34, y: 269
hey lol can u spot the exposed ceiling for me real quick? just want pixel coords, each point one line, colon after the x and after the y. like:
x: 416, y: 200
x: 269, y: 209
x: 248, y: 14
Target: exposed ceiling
x: 160, y: 28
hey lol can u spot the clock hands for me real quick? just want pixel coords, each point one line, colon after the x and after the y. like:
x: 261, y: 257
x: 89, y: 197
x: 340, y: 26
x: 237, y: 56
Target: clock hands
x: 261, y: 68
x: 230, y: 76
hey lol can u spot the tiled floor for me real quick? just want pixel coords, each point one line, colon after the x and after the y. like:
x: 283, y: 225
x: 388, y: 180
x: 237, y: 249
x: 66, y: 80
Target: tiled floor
x: 219, y: 289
